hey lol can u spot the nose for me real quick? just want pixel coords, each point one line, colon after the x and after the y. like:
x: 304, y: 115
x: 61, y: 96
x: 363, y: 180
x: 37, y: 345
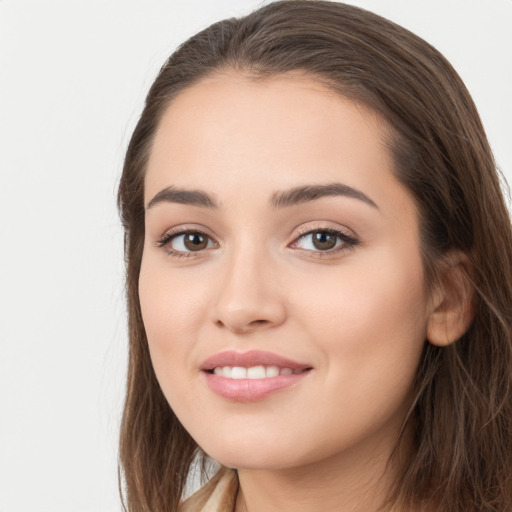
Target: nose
x: 250, y: 297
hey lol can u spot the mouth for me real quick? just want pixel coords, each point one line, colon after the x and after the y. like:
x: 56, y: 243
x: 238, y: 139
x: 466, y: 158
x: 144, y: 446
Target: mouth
x: 251, y: 376
x: 253, y: 372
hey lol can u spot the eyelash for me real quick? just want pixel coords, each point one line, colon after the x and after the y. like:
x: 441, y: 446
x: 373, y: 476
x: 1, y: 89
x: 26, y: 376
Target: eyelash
x: 171, y: 235
x: 348, y: 241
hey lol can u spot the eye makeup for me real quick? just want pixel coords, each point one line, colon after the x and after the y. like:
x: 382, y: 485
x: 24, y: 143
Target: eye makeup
x: 186, y: 242
x: 316, y: 240
x: 322, y: 241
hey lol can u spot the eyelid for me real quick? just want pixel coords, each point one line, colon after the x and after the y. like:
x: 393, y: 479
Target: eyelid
x: 348, y: 237
x: 324, y: 226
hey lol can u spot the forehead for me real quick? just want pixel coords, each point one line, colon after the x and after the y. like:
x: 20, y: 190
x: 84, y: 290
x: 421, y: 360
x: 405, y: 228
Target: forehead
x: 281, y: 132
x: 230, y: 102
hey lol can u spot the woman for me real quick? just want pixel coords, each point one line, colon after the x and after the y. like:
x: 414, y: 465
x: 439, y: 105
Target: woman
x: 318, y: 275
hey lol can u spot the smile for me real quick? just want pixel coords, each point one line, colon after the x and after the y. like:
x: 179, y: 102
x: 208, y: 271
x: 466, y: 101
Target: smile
x: 253, y: 372
x: 251, y: 376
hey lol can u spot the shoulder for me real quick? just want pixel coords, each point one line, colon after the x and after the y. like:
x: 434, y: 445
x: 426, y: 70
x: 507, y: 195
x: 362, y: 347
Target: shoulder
x: 218, y: 495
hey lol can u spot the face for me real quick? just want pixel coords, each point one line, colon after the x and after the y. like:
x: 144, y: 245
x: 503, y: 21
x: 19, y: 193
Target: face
x: 281, y: 287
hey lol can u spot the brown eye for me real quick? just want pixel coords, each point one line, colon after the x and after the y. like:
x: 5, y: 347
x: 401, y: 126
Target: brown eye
x: 323, y: 240
x: 328, y: 241
x: 195, y: 241
x: 186, y: 242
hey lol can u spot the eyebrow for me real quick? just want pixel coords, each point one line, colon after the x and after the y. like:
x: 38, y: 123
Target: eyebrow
x: 282, y: 199
x: 299, y: 195
x: 183, y: 196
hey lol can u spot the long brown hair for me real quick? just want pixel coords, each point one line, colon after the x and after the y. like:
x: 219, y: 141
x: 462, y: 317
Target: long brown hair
x: 462, y: 412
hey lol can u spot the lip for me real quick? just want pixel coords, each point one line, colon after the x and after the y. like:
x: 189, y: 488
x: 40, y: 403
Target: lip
x: 250, y: 390
x: 251, y: 358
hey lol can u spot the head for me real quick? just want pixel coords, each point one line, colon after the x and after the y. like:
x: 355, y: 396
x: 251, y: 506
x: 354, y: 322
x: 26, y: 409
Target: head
x: 459, y: 408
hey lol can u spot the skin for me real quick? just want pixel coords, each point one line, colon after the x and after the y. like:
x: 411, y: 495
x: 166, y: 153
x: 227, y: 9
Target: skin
x: 358, y: 315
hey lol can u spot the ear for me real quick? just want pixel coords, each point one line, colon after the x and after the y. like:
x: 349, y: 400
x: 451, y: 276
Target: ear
x: 452, y: 301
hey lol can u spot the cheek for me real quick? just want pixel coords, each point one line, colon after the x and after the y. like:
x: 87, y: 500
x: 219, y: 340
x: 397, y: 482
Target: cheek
x: 388, y: 305
x: 172, y: 307
x: 370, y: 327
x: 170, y: 301
x: 369, y: 318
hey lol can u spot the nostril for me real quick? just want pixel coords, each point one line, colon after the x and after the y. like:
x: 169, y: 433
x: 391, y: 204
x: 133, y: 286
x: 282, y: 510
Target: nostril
x: 243, y: 327
x: 258, y: 322
x: 243, y: 318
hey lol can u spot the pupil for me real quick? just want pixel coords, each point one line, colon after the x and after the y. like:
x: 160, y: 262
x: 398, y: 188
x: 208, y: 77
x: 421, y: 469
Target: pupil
x: 323, y: 240
x: 195, y: 241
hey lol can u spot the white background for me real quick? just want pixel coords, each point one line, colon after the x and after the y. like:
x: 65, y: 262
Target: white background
x: 73, y: 75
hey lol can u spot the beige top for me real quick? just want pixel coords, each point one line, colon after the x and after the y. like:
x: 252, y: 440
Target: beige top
x: 218, y: 495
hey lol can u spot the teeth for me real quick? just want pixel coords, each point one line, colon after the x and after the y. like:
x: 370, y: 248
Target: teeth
x: 272, y: 371
x: 238, y: 372
x: 254, y: 372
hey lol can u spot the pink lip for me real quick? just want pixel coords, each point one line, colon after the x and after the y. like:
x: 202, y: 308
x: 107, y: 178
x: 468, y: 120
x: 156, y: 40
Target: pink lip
x: 249, y: 390
x: 248, y: 359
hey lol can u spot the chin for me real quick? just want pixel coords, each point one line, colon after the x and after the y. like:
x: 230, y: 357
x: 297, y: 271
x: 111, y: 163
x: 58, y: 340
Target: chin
x: 253, y: 457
